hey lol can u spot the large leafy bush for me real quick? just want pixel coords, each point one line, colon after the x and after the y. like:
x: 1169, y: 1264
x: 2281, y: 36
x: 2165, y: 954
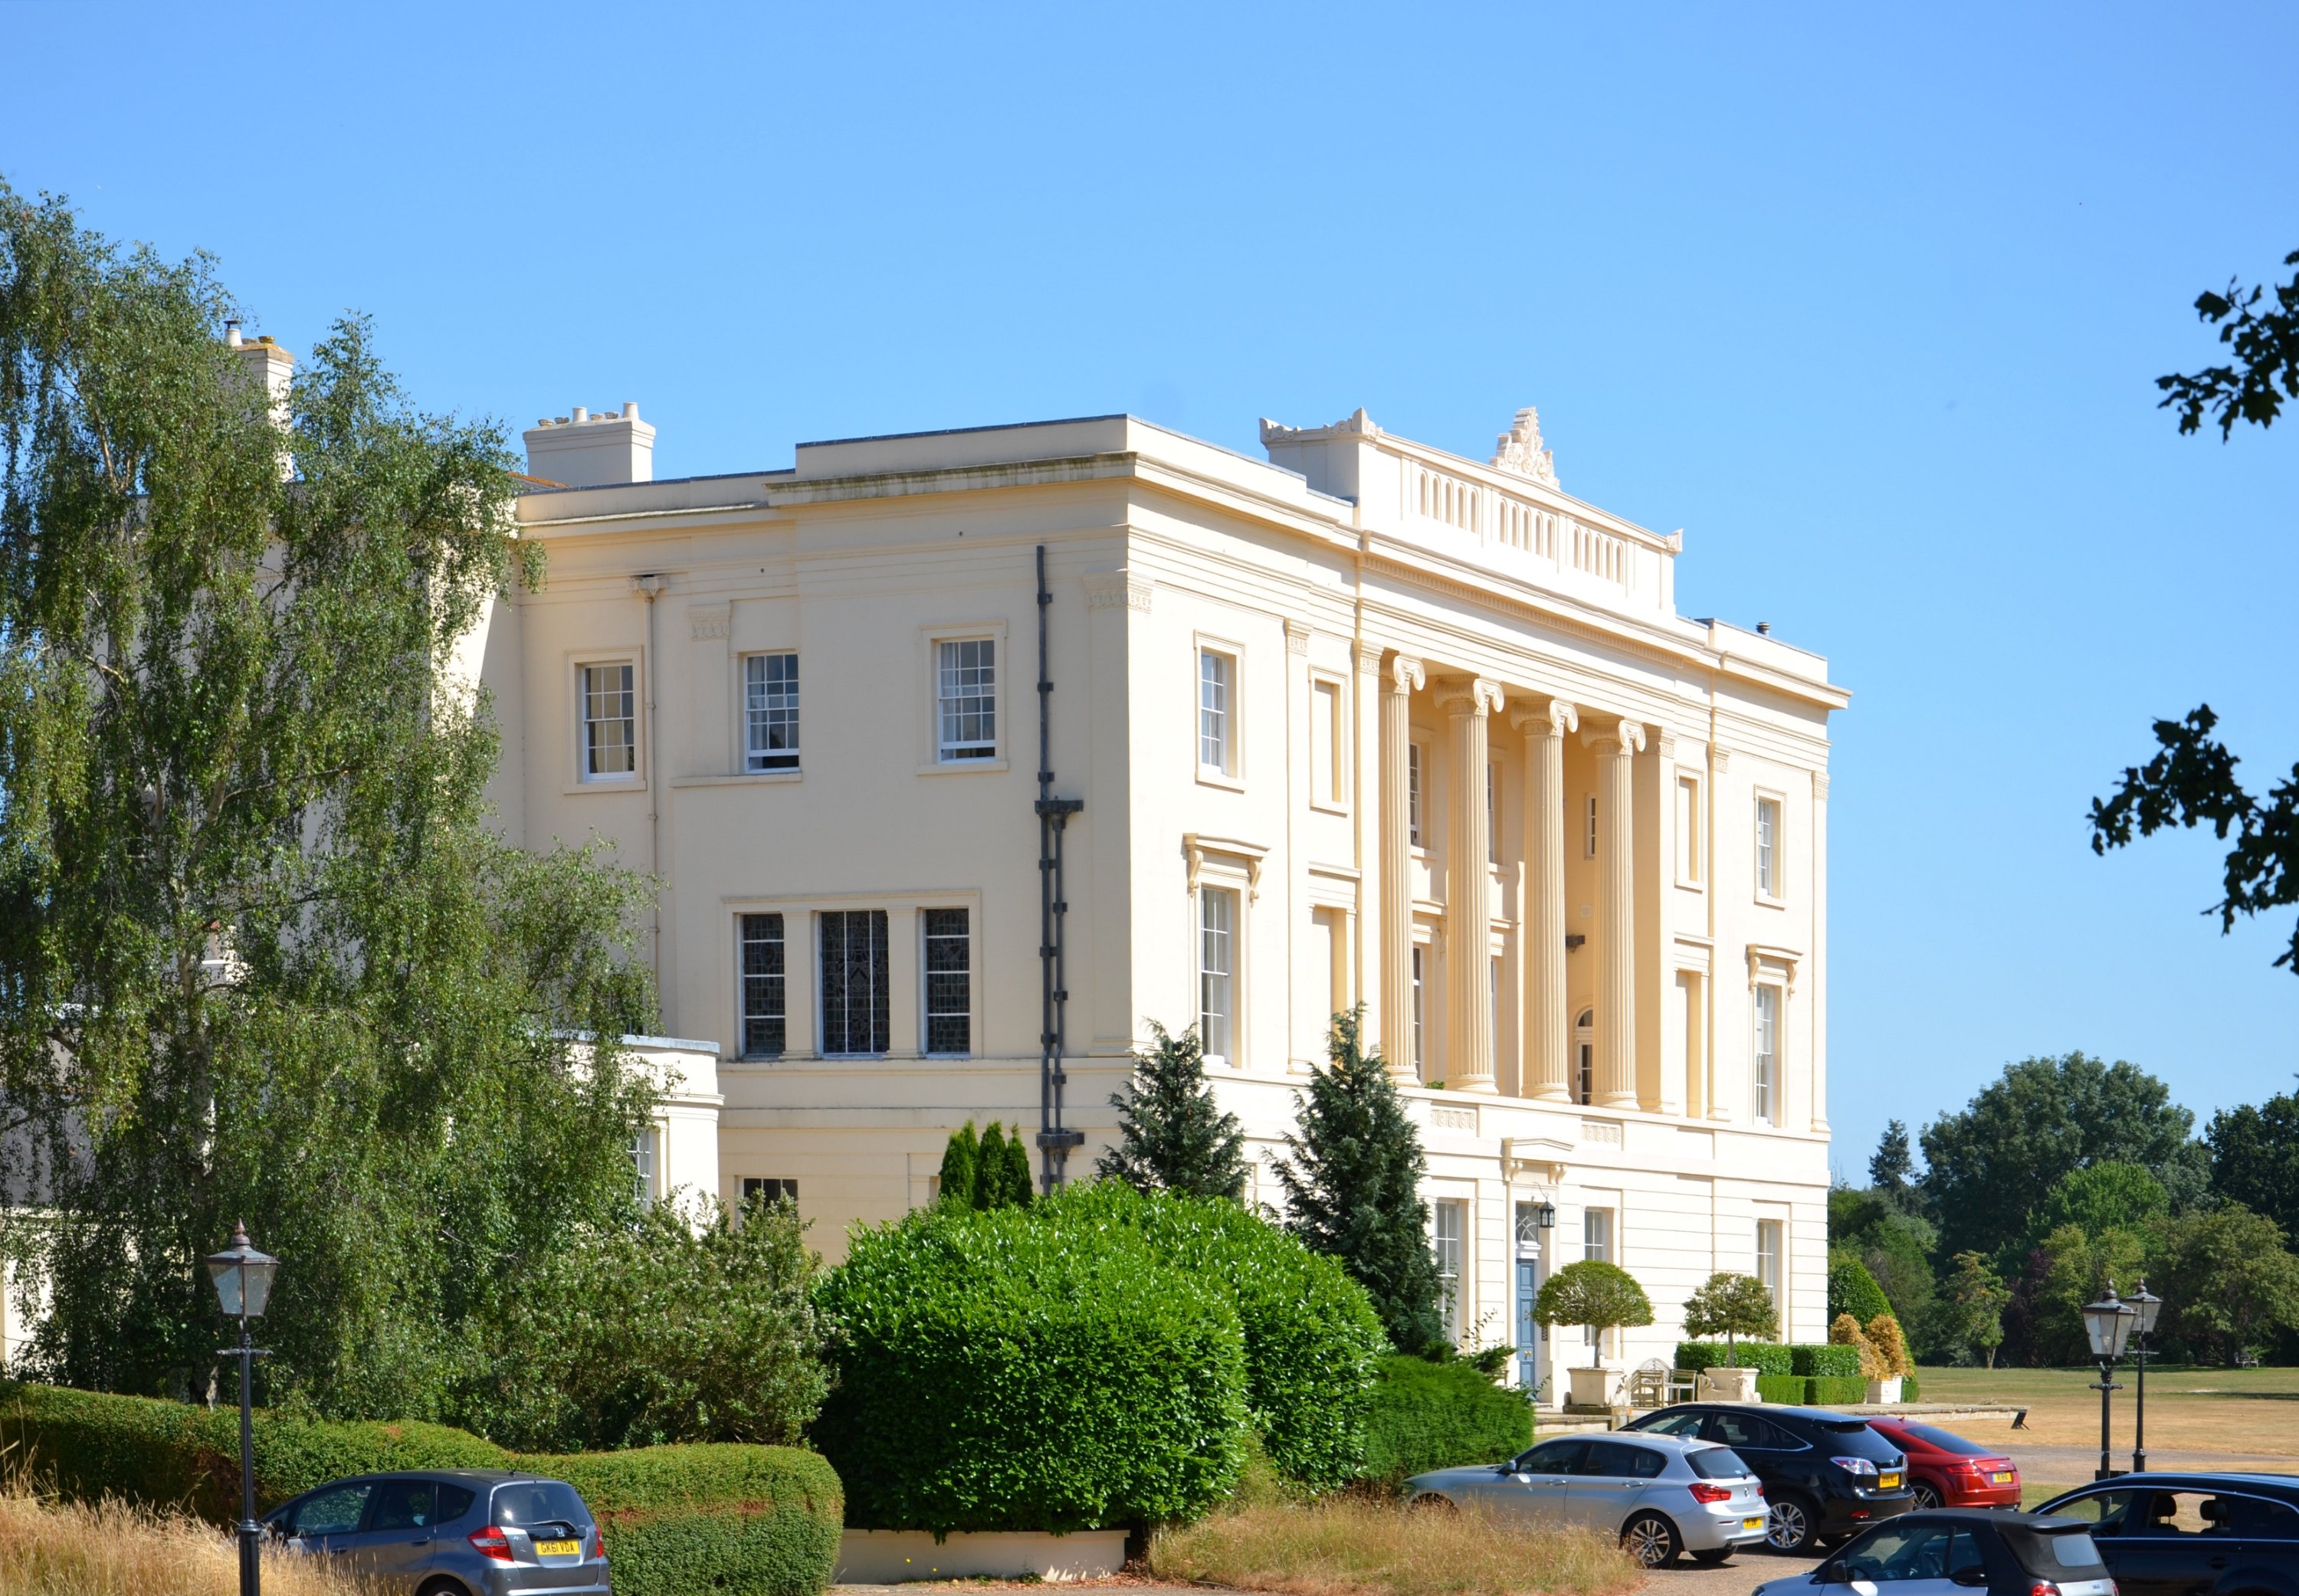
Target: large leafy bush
x: 1429, y: 1415
x: 1028, y: 1368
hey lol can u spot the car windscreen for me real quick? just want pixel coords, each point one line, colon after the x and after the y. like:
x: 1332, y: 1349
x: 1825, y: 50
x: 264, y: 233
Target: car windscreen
x: 1940, y: 1440
x: 1717, y: 1463
x: 1850, y: 1438
x: 523, y: 1502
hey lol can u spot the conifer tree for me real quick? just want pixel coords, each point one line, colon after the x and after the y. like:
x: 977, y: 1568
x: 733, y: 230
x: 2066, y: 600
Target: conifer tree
x: 960, y: 1156
x: 1172, y: 1133
x: 1020, y: 1190
x: 990, y: 1169
x: 1352, y: 1186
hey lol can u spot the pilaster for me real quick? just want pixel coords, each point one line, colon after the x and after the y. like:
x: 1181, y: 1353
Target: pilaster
x: 1468, y: 887
x: 1398, y: 684
x: 1616, y: 748
x: 1548, y: 1039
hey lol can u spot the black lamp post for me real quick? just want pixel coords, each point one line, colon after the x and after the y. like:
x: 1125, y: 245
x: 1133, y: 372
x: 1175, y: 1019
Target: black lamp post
x: 2108, y: 1324
x: 2148, y: 1305
x: 243, y: 1283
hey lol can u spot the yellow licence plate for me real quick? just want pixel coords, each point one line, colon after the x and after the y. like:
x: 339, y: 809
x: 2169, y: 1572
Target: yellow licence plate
x: 556, y: 1549
x: 1752, y: 1523
x: 1888, y: 1482
x: 2002, y: 1477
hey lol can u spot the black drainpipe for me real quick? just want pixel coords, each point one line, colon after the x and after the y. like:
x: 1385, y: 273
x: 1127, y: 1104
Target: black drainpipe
x: 1054, y: 1142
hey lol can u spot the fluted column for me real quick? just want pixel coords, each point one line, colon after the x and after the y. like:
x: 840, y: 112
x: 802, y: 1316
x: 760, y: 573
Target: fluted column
x: 1468, y: 890
x: 1616, y: 748
x: 1547, y: 1036
x: 1398, y: 684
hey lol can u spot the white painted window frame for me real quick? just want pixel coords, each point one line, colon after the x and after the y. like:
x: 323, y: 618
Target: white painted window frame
x: 1231, y: 774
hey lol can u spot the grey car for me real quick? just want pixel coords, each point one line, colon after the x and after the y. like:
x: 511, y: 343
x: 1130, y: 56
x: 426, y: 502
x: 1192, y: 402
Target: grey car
x: 451, y: 1532
x: 1662, y: 1495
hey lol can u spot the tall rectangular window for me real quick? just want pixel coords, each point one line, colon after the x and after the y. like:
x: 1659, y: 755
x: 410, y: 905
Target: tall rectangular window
x: 1216, y: 971
x: 644, y: 1148
x: 1589, y: 846
x: 1413, y: 763
x: 1451, y: 1244
x: 1420, y: 1009
x: 1493, y: 814
x: 966, y: 693
x: 1688, y: 831
x: 949, y: 982
x: 610, y: 721
x: 1597, y: 1235
x: 1770, y: 1241
x: 770, y: 711
x: 1328, y: 782
x: 1768, y: 1054
x: 1768, y: 847
x: 854, y: 1014
x: 763, y: 992
x: 1216, y: 676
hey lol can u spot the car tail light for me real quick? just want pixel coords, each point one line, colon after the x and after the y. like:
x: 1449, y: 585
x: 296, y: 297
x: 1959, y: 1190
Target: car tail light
x: 1702, y: 1491
x: 492, y: 1542
x: 2043, y: 1587
x: 598, y: 1541
x: 1856, y: 1465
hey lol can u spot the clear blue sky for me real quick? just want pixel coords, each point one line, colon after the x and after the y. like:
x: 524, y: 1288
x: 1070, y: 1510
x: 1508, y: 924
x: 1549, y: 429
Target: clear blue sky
x: 1870, y: 308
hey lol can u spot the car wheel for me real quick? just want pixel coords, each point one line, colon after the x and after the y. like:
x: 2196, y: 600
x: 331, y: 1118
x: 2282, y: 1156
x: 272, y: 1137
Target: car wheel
x: 1715, y: 1559
x: 1792, y: 1526
x: 444, y: 1587
x: 1432, y: 1503
x: 1925, y: 1495
x: 1651, y: 1540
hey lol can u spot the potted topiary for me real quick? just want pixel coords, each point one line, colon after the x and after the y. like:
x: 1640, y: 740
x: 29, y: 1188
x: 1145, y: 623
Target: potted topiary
x: 1875, y: 1368
x: 1731, y: 1305
x: 1892, y: 1359
x: 1602, y: 1296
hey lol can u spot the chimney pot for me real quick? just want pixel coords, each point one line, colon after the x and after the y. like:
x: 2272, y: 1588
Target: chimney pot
x: 581, y: 414
x: 630, y: 409
x: 231, y: 331
x: 585, y: 451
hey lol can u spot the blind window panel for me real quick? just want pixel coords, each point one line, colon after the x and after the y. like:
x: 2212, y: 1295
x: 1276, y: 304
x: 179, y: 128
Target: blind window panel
x: 764, y: 992
x: 610, y: 721
x: 854, y: 1007
x: 949, y: 982
x: 967, y: 684
x: 1213, y: 710
x: 770, y: 711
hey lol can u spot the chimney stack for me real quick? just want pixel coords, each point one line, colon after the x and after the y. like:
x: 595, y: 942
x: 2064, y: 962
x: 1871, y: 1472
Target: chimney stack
x: 580, y: 449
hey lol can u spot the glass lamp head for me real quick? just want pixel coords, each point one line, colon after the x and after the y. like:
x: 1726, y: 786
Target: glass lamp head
x: 2108, y: 1324
x: 1545, y: 1216
x: 2148, y: 1304
x: 242, y: 1275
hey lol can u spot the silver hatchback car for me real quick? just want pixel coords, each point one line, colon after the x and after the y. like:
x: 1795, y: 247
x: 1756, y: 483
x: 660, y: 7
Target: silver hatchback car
x: 1664, y: 1496
x: 451, y: 1532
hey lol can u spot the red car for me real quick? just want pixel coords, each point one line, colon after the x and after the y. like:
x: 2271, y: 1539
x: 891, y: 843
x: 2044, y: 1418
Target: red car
x: 1946, y: 1470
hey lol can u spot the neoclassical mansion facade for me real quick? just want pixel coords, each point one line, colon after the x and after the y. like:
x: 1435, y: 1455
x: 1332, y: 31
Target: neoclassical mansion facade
x: 1363, y: 722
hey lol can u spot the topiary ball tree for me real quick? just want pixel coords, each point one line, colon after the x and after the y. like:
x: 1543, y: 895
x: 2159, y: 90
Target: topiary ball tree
x: 1602, y: 1296
x: 1731, y: 1305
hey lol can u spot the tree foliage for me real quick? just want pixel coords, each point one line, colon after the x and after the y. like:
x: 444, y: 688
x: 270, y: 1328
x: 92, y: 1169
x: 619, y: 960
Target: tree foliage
x: 1732, y: 1306
x: 260, y: 954
x: 992, y: 1172
x: 1602, y: 1296
x: 1971, y: 1303
x: 2255, y: 1157
x: 1991, y: 1164
x: 661, y: 1332
x: 2107, y: 1195
x: 2230, y: 1285
x: 2265, y: 344
x: 1352, y: 1185
x: 1852, y: 1289
x: 1891, y: 1167
x: 1171, y: 1131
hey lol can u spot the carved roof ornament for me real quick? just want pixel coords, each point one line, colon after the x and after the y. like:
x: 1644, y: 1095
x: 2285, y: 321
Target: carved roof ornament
x: 1520, y: 452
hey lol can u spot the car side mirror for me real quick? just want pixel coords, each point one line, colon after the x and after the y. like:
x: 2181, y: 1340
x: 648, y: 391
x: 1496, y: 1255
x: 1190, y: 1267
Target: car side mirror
x: 1830, y: 1574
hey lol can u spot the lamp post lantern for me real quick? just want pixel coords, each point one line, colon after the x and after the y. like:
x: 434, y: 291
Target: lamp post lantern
x: 2148, y: 1305
x: 2108, y: 1324
x: 243, y: 1284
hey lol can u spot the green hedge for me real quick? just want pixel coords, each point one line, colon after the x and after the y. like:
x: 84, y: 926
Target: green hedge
x: 1790, y: 1390
x: 1826, y: 1359
x: 1440, y: 1415
x: 1038, y: 1368
x: 1838, y: 1391
x: 1766, y: 1357
x: 1908, y: 1392
x: 1312, y: 1337
x: 754, y: 1520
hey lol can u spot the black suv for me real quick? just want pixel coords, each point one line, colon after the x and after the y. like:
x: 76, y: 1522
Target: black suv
x: 2192, y: 1535
x: 1825, y: 1475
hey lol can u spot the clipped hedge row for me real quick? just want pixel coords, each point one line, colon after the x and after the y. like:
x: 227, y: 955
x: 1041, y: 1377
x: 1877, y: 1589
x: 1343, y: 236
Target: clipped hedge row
x: 1429, y: 1416
x: 755, y: 1521
x: 1766, y: 1357
x: 1908, y: 1392
x: 1812, y: 1391
x: 1826, y: 1359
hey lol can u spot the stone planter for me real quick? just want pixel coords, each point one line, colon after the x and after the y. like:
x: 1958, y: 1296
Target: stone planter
x: 1884, y: 1391
x: 1729, y: 1385
x: 1590, y: 1387
x: 887, y: 1557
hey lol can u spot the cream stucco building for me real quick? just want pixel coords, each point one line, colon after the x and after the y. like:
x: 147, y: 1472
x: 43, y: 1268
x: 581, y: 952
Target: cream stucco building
x: 1363, y: 722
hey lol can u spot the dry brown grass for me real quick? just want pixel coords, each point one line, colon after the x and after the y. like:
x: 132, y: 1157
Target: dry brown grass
x: 2238, y: 1412
x: 50, y: 1548
x: 1351, y: 1546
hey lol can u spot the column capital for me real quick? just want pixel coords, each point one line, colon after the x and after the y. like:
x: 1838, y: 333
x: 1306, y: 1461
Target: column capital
x: 1470, y: 695
x: 1627, y: 737
x: 1406, y: 673
x: 1549, y: 717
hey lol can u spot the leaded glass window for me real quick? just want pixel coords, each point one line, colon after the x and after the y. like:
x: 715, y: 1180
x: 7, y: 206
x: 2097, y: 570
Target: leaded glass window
x: 854, y: 1010
x: 949, y: 982
x: 764, y: 996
